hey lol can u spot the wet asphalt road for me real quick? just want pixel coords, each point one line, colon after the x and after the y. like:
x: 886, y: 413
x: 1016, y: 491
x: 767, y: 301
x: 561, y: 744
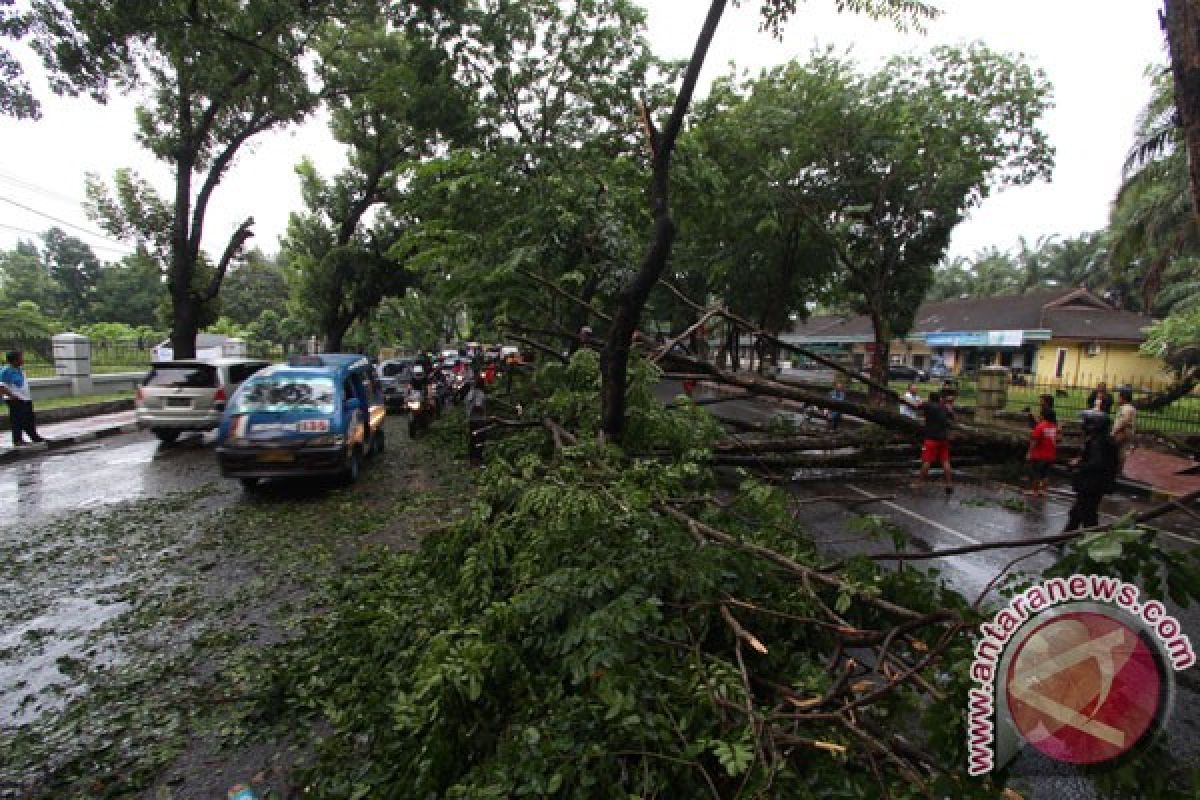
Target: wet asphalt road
x: 101, y: 472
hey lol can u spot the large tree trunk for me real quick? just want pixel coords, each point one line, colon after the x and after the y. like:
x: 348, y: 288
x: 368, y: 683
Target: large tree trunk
x: 185, y: 323
x: 614, y: 361
x: 1181, y: 21
x: 335, y: 332
x: 882, y: 356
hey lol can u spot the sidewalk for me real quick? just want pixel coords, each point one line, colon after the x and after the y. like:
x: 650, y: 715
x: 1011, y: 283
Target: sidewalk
x: 66, y: 434
x: 1162, y: 471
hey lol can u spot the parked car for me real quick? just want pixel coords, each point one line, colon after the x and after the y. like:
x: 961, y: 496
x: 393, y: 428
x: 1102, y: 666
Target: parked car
x: 903, y: 372
x: 938, y: 370
x: 315, y: 415
x: 189, y: 394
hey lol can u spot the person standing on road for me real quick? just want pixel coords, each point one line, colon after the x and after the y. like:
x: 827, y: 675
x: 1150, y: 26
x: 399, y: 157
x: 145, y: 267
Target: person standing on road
x: 1045, y: 403
x: 838, y: 393
x: 912, y: 402
x: 476, y: 403
x: 1125, y: 425
x: 1099, y: 399
x: 14, y: 388
x: 1095, y: 471
x: 936, y: 447
x: 1043, y: 450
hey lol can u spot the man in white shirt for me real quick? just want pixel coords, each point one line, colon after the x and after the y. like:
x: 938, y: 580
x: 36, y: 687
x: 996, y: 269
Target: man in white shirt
x: 14, y: 388
x: 1126, y: 425
x: 912, y: 401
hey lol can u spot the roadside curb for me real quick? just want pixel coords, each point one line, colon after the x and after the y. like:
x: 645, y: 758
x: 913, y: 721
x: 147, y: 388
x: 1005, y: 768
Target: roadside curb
x: 10, y: 454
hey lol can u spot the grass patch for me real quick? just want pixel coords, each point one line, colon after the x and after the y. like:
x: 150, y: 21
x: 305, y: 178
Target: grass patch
x: 82, y: 400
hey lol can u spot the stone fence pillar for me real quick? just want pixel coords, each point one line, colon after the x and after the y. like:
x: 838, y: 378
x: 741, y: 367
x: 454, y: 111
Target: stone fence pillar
x: 73, y: 359
x: 992, y: 393
x: 234, y: 348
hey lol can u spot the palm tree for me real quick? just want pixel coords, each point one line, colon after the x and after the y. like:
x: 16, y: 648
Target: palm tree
x: 1153, y: 224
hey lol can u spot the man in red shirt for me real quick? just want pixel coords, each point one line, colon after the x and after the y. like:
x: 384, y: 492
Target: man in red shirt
x: 936, y: 446
x: 1043, y: 450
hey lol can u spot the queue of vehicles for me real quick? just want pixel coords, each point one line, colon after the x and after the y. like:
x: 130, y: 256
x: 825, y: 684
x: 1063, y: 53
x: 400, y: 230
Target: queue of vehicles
x: 316, y: 415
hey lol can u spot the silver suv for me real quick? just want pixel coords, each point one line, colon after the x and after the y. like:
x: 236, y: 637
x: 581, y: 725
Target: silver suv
x: 189, y: 394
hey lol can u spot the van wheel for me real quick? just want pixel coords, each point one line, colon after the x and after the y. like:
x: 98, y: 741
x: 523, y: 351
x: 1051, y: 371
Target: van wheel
x: 251, y: 484
x: 165, y: 435
x: 353, y: 467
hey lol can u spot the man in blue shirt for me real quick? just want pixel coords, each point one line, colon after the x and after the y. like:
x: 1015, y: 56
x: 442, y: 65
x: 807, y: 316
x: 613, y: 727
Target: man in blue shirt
x: 15, y: 390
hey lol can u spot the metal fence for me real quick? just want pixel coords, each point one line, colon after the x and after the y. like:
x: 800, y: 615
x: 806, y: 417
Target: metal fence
x: 126, y: 355
x: 1181, y: 416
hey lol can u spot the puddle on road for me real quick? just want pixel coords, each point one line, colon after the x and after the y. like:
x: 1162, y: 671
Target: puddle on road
x: 98, y: 475
x: 36, y: 656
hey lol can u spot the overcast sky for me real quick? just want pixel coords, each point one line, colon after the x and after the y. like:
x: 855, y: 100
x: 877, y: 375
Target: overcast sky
x: 1094, y: 51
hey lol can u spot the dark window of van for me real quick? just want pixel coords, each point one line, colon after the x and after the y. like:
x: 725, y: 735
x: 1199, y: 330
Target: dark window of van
x: 181, y: 376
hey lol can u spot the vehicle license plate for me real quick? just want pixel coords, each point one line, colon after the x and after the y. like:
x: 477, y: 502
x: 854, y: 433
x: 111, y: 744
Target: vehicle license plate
x: 179, y: 402
x: 277, y: 456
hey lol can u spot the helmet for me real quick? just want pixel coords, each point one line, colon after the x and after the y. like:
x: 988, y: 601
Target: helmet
x: 1094, y: 421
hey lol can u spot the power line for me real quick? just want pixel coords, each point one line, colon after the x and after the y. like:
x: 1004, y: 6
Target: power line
x: 33, y: 187
x: 60, y: 221
x: 125, y: 251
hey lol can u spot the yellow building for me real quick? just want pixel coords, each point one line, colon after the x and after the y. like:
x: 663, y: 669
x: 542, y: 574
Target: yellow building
x: 1061, y: 337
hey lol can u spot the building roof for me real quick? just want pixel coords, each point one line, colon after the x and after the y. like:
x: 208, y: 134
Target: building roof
x: 1066, y: 313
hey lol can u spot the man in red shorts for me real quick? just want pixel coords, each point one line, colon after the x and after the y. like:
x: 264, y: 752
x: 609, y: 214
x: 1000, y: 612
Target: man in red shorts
x: 936, y: 447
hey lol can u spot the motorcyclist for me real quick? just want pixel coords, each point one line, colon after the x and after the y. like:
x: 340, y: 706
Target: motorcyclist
x: 1095, y: 471
x: 419, y: 377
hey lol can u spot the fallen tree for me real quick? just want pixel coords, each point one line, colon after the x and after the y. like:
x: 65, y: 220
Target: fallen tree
x: 605, y: 624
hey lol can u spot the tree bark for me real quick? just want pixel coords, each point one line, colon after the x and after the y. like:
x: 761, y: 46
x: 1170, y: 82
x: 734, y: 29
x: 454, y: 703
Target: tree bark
x: 1000, y: 442
x: 1181, y: 21
x: 882, y: 355
x: 614, y: 361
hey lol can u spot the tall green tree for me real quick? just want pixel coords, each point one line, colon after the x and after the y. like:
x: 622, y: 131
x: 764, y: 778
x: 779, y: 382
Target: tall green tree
x: 215, y: 75
x: 923, y: 140
x: 552, y: 188
x: 397, y: 102
x: 16, y: 97
x: 25, y: 278
x: 129, y: 292
x: 1153, y: 223
x: 253, y: 286
x: 74, y: 266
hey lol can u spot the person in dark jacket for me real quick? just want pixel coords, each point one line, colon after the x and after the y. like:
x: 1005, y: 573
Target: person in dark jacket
x: 1099, y: 399
x: 1095, y: 471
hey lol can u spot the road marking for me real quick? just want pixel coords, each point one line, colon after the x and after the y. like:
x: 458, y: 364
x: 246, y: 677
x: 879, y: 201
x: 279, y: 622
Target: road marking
x: 915, y: 515
x: 1106, y: 517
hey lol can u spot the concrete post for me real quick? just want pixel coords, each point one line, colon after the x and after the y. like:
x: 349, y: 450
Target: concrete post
x: 992, y: 394
x: 234, y: 348
x: 73, y: 359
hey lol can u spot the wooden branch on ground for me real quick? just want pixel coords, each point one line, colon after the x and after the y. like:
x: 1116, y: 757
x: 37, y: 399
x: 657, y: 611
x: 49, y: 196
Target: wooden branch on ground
x: 794, y: 567
x: 1059, y: 538
x: 870, y: 441
x: 999, y: 440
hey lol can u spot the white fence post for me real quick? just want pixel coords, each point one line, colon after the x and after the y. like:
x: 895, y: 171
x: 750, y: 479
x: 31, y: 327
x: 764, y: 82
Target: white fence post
x: 73, y: 359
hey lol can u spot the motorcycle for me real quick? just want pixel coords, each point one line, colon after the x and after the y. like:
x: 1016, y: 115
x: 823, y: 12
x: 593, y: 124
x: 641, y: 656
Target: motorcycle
x: 420, y: 411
